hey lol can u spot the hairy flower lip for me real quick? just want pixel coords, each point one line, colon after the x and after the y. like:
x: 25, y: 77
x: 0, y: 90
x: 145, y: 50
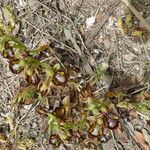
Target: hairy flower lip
x: 60, y: 78
x: 33, y: 79
x: 111, y: 123
x: 9, y: 50
x: 9, y: 54
x: 55, y: 140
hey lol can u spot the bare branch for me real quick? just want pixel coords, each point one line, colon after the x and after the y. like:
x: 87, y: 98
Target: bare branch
x: 137, y: 14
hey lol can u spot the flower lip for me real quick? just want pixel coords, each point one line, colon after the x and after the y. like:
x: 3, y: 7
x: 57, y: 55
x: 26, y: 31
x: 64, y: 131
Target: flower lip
x: 33, y: 79
x: 9, y: 54
x: 14, y: 66
x: 60, y: 78
x: 8, y: 51
x: 111, y: 123
x: 55, y: 140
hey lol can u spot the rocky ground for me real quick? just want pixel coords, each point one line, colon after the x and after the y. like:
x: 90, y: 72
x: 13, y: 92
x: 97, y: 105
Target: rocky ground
x: 88, y: 35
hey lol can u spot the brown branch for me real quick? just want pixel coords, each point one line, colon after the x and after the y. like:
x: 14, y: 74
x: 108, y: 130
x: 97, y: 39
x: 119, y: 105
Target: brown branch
x: 137, y: 14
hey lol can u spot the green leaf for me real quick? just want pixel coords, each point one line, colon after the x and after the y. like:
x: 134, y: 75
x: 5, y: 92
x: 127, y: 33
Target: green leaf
x: 10, y: 15
x: 4, y: 28
x: 129, y: 20
x: 24, y: 144
x: 25, y: 94
x: 32, y: 65
x: 48, y: 69
x: 100, y: 72
x: 53, y: 123
x: 38, y: 50
x: 82, y: 124
x: 143, y: 106
x: 22, y: 63
x: 136, y: 33
x: 15, y: 43
x: 123, y: 104
x: 41, y: 98
x: 57, y: 67
x: 120, y: 23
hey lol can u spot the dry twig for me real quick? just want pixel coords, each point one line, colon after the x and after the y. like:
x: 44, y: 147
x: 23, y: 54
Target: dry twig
x: 101, y: 23
x: 137, y: 14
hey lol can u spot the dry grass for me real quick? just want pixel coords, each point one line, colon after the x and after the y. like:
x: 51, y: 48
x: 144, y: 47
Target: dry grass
x: 45, y: 22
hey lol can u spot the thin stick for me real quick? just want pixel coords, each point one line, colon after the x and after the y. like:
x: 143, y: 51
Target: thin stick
x: 139, y: 90
x: 145, y: 117
x: 137, y: 14
x: 112, y: 134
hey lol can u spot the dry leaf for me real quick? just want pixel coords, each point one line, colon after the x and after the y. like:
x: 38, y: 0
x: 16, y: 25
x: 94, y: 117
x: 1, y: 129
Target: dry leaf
x: 3, y: 138
x: 140, y: 139
x: 146, y: 136
x: 90, y: 22
x: 122, y: 134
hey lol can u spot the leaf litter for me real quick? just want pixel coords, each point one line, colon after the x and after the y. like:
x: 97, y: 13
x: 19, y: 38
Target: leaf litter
x: 55, y: 27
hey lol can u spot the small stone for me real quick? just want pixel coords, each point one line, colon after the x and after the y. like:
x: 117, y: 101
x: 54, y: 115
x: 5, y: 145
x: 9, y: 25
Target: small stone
x: 95, y: 132
x: 96, y: 51
x: 100, y: 39
x: 34, y: 133
x: 128, y: 57
x: 90, y: 21
x: 137, y: 67
x: 107, y: 43
x: 34, y: 125
x: 27, y: 107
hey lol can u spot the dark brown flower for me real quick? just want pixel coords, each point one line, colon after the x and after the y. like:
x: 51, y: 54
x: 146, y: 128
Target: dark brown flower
x: 33, y: 79
x: 8, y: 51
x: 111, y: 123
x: 59, y: 112
x: 55, y: 140
x: 14, y: 66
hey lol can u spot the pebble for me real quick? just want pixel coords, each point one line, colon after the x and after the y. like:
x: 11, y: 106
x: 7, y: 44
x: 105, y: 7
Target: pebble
x: 96, y: 51
x: 34, y: 125
x: 100, y: 39
x: 128, y: 57
x: 107, y: 43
